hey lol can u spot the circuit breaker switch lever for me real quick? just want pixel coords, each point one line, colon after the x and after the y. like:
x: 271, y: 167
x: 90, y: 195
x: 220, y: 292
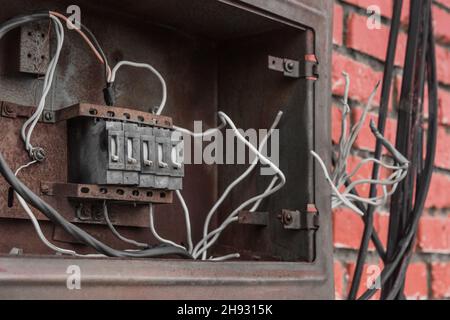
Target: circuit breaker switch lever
x: 130, y: 158
x: 161, y: 163
x: 175, y: 159
x: 114, y: 149
x: 146, y: 153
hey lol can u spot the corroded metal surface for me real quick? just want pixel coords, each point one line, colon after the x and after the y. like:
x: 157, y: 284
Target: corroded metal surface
x: 113, y: 113
x: 113, y: 193
x: 156, y: 279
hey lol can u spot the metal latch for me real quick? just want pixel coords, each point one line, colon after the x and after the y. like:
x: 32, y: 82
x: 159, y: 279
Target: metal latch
x: 294, y: 69
x: 300, y: 220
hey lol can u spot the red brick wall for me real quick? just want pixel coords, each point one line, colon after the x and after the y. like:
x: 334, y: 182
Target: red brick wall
x: 360, y: 52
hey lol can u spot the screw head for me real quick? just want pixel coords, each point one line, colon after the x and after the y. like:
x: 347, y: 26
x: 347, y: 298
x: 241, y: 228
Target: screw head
x: 8, y: 109
x: 289, y: 66
x: 45, y: 189
x: 48, y: 116
x: 288, y: 218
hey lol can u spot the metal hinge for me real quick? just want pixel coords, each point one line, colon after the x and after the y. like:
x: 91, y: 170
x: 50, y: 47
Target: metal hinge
x: 306, y: 69
x: 300, y: 220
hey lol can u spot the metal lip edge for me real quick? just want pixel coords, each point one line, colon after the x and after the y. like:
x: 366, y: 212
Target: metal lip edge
x: 161, y: 271
x: 264, y: 12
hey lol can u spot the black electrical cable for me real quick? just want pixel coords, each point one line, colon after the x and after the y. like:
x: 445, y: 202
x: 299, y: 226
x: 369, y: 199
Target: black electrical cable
x: 99, y: 49
x: 396, y: 284
x: 425, y: 179
x: 50, y: 212
x: 401, y: 204
x: 384, y: 104
x: 108, y: 91
x: 75, y: 231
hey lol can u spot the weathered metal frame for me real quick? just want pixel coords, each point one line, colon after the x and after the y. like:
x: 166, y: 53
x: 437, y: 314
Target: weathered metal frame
x: 116, y: 278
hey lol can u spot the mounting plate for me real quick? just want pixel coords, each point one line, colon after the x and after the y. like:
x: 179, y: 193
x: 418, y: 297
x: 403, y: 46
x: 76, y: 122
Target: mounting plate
x: 35, y: 48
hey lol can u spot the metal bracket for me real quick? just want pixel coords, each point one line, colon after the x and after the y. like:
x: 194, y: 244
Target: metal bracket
x: 290, y: 68
x: 110, y: 193
x: 254, y: 218
x: 293, y: 68
x: 12, y: 110
x: 297, y: 220
x: 35, y: 48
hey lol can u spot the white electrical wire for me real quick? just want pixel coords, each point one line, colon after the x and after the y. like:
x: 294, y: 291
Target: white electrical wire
x: 227, y: 257
x: 333, y: 187
x: 240, y: 178
x: 30, y: 124
x: 339, y: 176
x: 117, y: 234
x: 37, y: 227
x: 49, y: 76
x: 187, y: 219
x: 148, y: 67
x: 204, y: 134
x: 232, y: 217
x: 156, y: 235
x: 215, y: 234
x: 188, y: 225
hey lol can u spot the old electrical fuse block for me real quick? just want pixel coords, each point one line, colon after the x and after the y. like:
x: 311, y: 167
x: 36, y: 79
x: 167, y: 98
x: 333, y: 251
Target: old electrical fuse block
x: 107, y: 150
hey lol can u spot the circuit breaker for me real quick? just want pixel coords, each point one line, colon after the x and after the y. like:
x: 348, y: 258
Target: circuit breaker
x: 108, y: 152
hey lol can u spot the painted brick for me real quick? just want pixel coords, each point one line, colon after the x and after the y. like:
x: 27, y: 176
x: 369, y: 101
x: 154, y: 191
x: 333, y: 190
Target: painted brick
x: 444, y: 2
x: 360, y: 90
x: 434, y: 231
x: 385, y: 5
x: 440, y: 280
x: 443, y: 69
x: 366, y: 140
x: 416, y: 286
x: 348, y: 228
x: 437, y: 197
x: 442, y: 148
x: 364, y: 279
x: 441, y: 20
x: 373, y: 42
x: 434, y: 234
x: 444, y: 107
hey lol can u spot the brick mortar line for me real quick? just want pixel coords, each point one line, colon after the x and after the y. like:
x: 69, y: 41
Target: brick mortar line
x: 344, y: 255
x: 350, y: 8
x: 441, y: 6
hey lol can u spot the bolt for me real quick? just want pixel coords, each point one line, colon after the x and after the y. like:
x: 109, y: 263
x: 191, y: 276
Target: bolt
x: 289, y: 66
x: 48, y: 116
x: 45, y: 189
x: 8, y: 109
x: 288, y: 218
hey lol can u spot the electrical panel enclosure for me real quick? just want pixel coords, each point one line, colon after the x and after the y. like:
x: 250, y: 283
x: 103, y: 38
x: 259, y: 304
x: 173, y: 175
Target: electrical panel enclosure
x: 247, y: 58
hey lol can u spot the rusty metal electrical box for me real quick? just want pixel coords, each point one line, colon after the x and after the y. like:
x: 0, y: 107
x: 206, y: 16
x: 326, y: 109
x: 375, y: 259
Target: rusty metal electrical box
x: 247, y: 58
